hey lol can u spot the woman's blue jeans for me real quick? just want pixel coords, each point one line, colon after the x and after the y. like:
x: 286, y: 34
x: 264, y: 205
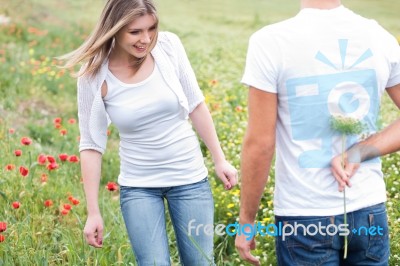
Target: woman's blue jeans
x: 368, y: 239
x: 144, y: 214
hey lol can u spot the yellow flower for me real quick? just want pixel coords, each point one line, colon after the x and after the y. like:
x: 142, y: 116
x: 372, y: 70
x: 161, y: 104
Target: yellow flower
x: 235, y: 192
x: 266, y: 220
x: 231, y: 205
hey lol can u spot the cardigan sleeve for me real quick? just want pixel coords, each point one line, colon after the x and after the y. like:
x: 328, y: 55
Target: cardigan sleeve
x: 85, y: 101
x: 185, y: 72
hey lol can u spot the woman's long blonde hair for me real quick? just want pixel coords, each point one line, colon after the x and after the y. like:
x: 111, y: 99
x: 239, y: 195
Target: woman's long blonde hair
x: 116, y: 14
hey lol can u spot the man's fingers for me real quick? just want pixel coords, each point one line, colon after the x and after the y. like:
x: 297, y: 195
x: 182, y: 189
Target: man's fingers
x: 244, y: 247
x: 247, y: 256
x: 253, y: 260
x: 351, y: 168
x: 339, y: 180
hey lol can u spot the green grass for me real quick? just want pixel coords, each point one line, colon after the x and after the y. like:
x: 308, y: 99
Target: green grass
x: 33, y: 92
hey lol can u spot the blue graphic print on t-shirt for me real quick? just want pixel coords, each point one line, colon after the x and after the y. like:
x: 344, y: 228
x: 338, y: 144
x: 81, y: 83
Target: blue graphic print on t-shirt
x: 314, y: 99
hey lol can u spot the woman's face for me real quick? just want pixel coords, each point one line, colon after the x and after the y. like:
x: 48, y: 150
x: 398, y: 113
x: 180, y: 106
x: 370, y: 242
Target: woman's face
x: 135, y: 38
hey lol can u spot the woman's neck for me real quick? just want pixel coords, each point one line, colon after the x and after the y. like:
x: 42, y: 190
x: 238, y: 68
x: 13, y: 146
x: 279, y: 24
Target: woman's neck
x: 320, y: 4
x: 130, y: 71
x: 123, y: 59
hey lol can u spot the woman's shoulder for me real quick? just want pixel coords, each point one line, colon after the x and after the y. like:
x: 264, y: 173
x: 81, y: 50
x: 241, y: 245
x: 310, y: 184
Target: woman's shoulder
x: 166, y: 37
x: 88, y: 77
x: 83, y: 75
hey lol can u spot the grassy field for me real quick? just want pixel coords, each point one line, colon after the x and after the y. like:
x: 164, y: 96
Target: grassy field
x: 38, y: 101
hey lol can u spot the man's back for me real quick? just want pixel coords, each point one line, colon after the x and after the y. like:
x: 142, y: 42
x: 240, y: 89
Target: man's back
x: 321, y: 63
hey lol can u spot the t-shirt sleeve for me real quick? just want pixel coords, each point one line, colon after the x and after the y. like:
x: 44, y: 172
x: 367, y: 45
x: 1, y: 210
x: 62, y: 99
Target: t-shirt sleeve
x: 261, y: 69
x: 394, y: 57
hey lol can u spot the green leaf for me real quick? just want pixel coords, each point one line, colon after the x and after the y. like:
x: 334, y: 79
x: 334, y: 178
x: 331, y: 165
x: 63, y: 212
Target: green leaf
x: 3, y: 195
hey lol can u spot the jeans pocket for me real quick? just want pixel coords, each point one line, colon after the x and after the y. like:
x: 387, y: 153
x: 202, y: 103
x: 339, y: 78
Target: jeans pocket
x: 378, y: 246
x: 310, y: 242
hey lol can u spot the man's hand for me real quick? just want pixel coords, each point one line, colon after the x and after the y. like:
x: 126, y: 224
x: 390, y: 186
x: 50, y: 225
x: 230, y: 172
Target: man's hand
x: 343, y: 171
x: 244, y: 247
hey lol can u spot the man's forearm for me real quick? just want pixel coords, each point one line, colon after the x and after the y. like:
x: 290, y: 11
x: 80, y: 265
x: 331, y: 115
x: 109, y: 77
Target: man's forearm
x: 382, y: 143
x: 256, y: 162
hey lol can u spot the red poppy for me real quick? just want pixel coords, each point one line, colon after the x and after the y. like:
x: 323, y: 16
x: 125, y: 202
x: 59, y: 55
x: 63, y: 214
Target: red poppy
x: 2, y: 238
x: 26, y: 141
x: 111, y: 186
x: 10, y: 167
x: 51, y: 159
x: 57, y: 125
x: 63, y: 156
x: 67, y: 206
x: 216, y: 106
x: 63, y: 132
x: 16, y: 205
x: 3, y: 226
x: 18, y: 153
x: 72, y: 121
x: 64, y: 212
x: 57, y: 120
x: 43, y: 178
x: 52, y: 166
x: 23, y: 171
x: 11, y: 130
x: 48, y: 203
x: 42, y: 159
x: 73, y: 159
x: 74, y: 201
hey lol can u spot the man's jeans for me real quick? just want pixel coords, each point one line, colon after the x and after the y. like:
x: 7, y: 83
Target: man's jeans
x: 144, y: 214
x: 368, y: 239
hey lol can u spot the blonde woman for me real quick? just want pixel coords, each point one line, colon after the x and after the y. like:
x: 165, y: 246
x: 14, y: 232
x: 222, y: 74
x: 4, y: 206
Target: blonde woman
x: 142, y: 81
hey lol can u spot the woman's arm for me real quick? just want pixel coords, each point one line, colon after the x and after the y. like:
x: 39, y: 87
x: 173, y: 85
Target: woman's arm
x: 204, y: 125
x: 91, y: 173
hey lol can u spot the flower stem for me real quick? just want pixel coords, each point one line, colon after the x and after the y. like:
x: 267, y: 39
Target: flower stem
x: 344, y: 197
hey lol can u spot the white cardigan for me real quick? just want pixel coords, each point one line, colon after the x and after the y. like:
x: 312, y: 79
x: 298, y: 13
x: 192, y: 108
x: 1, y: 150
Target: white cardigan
x: 170, y: 56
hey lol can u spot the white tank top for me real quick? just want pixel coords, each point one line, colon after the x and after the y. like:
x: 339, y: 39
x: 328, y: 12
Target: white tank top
x: 158, y: 148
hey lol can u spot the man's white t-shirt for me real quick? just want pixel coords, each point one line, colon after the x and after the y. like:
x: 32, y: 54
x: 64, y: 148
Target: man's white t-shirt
x: 322, y: 63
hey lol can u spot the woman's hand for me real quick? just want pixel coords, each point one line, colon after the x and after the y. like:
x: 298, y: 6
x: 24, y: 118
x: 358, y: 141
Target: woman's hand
x: 93, y: 231
x: 227, y: 173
